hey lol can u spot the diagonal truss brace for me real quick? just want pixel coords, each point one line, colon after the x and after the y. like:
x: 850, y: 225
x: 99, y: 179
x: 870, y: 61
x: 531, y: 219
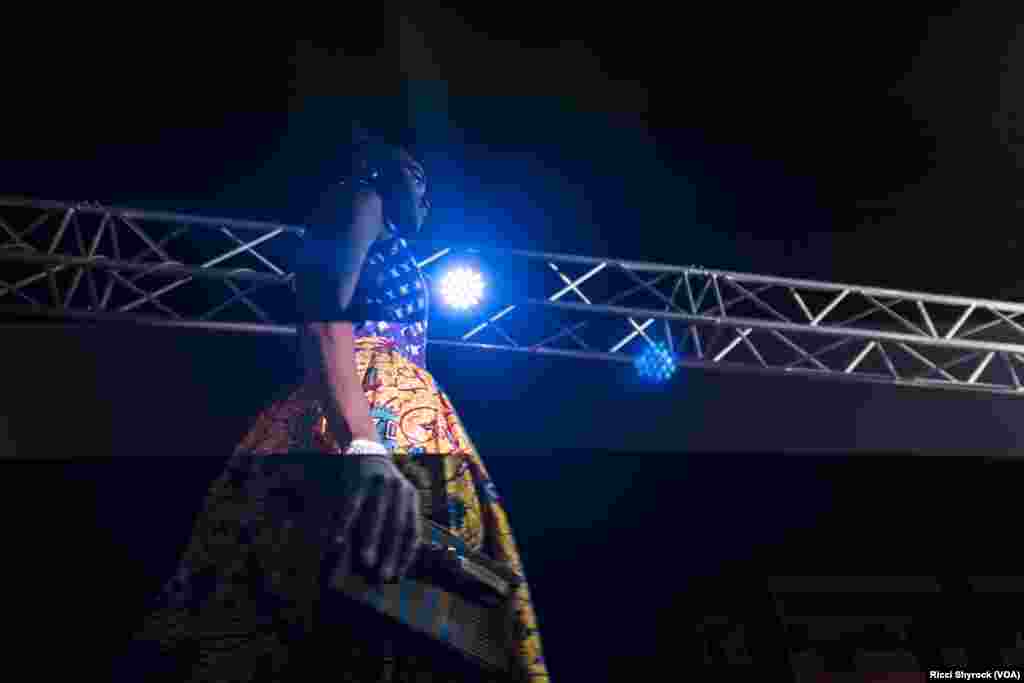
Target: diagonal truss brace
x: 132, y: 250
x: 85, y: 261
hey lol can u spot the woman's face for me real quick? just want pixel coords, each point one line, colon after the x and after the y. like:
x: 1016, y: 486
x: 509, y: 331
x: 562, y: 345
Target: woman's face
x: 416, y: 179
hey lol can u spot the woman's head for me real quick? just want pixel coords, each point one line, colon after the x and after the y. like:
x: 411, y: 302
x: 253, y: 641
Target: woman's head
x: 402, y: 184
x: 415, y: 184
x: 398, y: 176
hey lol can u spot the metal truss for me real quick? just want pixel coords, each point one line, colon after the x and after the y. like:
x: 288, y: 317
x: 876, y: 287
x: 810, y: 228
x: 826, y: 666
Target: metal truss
x: 85, y: 261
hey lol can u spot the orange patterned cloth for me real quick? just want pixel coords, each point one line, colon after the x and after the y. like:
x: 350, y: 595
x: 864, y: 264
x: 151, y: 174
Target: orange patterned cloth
x: 416, y: 419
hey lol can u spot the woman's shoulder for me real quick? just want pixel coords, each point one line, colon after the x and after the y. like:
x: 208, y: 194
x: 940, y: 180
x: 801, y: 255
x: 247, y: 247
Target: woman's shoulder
x: 390, y: 251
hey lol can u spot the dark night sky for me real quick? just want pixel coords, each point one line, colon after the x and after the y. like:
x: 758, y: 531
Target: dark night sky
x: 864, y: 147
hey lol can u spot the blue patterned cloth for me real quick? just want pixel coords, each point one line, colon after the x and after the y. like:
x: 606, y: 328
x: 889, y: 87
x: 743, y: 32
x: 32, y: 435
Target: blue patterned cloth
x: 391, y: 299
x: 391, y: 286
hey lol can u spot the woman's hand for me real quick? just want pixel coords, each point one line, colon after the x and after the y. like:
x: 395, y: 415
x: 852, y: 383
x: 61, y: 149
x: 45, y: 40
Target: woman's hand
x: 379, y: 514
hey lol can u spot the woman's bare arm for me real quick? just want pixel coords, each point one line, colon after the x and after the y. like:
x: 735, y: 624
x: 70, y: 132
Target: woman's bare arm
x: 330, y: 346
x: 375, y: 495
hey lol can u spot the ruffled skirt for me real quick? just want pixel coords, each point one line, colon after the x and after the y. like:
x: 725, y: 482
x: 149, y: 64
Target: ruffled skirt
x: 243, y: 604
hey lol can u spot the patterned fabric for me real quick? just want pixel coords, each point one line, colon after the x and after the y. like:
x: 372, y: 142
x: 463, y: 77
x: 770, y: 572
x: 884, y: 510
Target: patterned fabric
x: 390, y: 289
x: 409, y: 339
x: 391, y: 283
x: 243, y: 600
x: 249, y: 578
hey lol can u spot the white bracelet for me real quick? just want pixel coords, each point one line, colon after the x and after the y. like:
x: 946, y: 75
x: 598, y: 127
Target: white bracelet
x: 366, y: 447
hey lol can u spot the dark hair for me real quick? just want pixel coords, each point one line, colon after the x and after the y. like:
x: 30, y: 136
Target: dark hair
x: 364, y: 141
x: 377, y: 163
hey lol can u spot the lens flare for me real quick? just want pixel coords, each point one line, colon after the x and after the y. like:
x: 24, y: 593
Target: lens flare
x: 462, y: 288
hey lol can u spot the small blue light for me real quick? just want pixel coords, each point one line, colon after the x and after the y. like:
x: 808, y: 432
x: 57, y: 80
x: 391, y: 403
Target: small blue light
x: 657, y: 363
x: 462, y: 288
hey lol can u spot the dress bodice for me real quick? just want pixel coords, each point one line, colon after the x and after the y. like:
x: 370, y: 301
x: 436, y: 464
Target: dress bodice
x: 391, y: 299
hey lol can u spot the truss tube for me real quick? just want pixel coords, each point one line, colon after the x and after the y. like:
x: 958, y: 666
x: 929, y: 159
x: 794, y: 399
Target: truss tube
x: 697, y: 363
x: 148, y: 320
x: 149, y: 267
x: 638, y: 266
x: 956, y: 337
x: 162, y: 216
x: 642, y: 266
x: 731, y: 322
x: 565, y: 353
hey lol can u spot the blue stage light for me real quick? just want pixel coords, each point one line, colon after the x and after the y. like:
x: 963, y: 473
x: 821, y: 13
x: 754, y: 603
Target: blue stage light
x: 462, y: 288
x: 657, y: 363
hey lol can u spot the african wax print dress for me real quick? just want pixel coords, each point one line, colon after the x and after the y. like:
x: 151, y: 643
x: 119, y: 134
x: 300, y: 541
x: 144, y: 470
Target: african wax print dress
x: 243, y: 601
